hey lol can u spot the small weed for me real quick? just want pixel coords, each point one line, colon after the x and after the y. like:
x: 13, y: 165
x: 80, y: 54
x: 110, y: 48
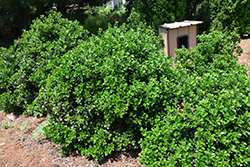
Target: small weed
x: 22, y: 138
x: 23, y: 125
x: 39, y: 131
x: 14, y: 125
x: 5, y: 124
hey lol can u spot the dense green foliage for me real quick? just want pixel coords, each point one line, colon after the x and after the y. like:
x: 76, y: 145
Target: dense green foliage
x: 225, y: 15
x: 117, y: 90
x: 191, y: 8
x: 211, y: 127
x: 93, y: 23
x: 17, y: 14
x: 106, y: 90
x: 214, y: 54
x: 157, y: 12
x: 135, y: 21
x: 25, y: 65
x: 102, y: 18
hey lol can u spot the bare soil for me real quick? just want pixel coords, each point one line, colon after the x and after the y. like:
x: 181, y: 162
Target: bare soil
x: 244, y: 58
x: 18, y: 147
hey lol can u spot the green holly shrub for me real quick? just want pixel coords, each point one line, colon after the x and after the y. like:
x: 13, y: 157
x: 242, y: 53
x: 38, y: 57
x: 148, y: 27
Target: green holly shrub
x: 214, y: 54
x: 213, y: 132
x: 94, y: 22
x: 211, y: 127
x: 118, y: 90
x: 25, y: 65
x: 106, y: 90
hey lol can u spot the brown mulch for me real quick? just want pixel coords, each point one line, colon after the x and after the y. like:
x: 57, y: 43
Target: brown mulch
x: 245, y: 56
x: 18, y: 147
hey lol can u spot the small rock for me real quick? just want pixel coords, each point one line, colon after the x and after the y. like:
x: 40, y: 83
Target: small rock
x: 11, y: 117
x: 1, y: 144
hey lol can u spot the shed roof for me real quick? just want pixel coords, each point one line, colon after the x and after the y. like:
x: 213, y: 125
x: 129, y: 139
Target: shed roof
x: 184, y: 23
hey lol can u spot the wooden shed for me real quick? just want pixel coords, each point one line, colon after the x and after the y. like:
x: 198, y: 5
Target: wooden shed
x: 177, y: 34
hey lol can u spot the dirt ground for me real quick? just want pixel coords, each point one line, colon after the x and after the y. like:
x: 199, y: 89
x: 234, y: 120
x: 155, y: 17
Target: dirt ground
x: 245, y: 56
x: 18, y: 146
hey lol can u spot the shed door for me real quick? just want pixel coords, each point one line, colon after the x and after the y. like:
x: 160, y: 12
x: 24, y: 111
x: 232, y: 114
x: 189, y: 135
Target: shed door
x: 182, y: 41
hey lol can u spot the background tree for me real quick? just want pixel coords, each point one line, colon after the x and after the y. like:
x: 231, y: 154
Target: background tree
x: 89, y: 2
x: 16, y: 15
x: 225, y: 15
x: 62, y: 4
x: 157, y: 12
x: 191, y: 8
